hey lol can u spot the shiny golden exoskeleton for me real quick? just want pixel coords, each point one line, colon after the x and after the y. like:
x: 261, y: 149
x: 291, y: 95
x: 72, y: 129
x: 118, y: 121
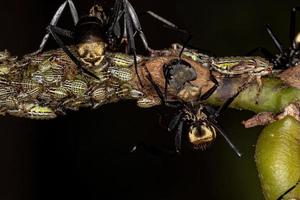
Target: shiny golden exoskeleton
x: 91, y: 46
x: 201, y: 134
x: 297, y: 39
x: 91, y: 52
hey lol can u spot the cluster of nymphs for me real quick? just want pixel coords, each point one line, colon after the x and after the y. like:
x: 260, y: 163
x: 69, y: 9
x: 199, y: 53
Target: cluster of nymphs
x: 40, y: 87
x: 44, y: 84
x: 93, y: 72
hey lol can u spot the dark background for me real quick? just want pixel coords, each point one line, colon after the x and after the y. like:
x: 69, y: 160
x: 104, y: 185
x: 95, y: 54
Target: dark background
x: 84, y: 155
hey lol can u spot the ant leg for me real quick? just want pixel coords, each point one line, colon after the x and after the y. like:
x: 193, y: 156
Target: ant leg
x: 172, y: 104
x: 64, y: 32
x: 130, y: 34
x: 114, y: 20
x: 174, y: 122
x: 275, y: 39
x: 163, y: 20
x: 213, y: 122
x: 178, y: 137
x: 220, y: 130
x: 286, y: 192
x: 155, y: 86
x: 54, y: 32
x: 207, y: 94
x: 167, y: 76
x: 231, y: 99
x: 74, y: 12
x: 55, y: 20
x: 124, y: 39
x: 137, y: 24
x: 227, y: 103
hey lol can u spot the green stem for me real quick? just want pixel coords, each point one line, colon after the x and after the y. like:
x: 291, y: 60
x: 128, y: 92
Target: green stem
x: 274, y: 96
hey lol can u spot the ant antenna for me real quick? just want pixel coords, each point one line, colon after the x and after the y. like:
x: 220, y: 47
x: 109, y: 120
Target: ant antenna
x: 174, y: 27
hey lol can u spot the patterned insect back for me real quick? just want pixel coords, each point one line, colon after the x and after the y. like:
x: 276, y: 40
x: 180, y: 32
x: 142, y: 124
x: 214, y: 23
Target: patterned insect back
x: 43, y: 86
x: 122, y: 74
x: 33, y: 111
x: 123, y: 60
x: 121, y: 66
x: 58, y: 93
x: 99, y: 94
x: 241, y: 65
x: 76, y: 87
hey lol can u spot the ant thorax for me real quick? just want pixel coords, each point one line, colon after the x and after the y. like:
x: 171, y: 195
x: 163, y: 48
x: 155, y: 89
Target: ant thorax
x: 91, y: 53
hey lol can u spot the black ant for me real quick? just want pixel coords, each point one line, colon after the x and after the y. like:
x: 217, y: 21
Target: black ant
x: 199, y: 120
x: 94, y: 32
x: 287, y: 57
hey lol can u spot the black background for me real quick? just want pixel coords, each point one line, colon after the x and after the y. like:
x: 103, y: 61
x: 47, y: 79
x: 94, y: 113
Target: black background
x: 84, y: 155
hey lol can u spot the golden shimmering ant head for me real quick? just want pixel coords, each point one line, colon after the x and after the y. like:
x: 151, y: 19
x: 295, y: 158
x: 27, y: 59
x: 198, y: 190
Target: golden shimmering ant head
x: 201, y: 136
x: 91, y: 52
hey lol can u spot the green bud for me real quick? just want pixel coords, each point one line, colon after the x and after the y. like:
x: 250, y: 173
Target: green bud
x: 278, y: 159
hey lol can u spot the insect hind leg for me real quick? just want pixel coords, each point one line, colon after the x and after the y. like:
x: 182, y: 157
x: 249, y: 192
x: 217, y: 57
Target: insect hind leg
x: 207, y: 94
